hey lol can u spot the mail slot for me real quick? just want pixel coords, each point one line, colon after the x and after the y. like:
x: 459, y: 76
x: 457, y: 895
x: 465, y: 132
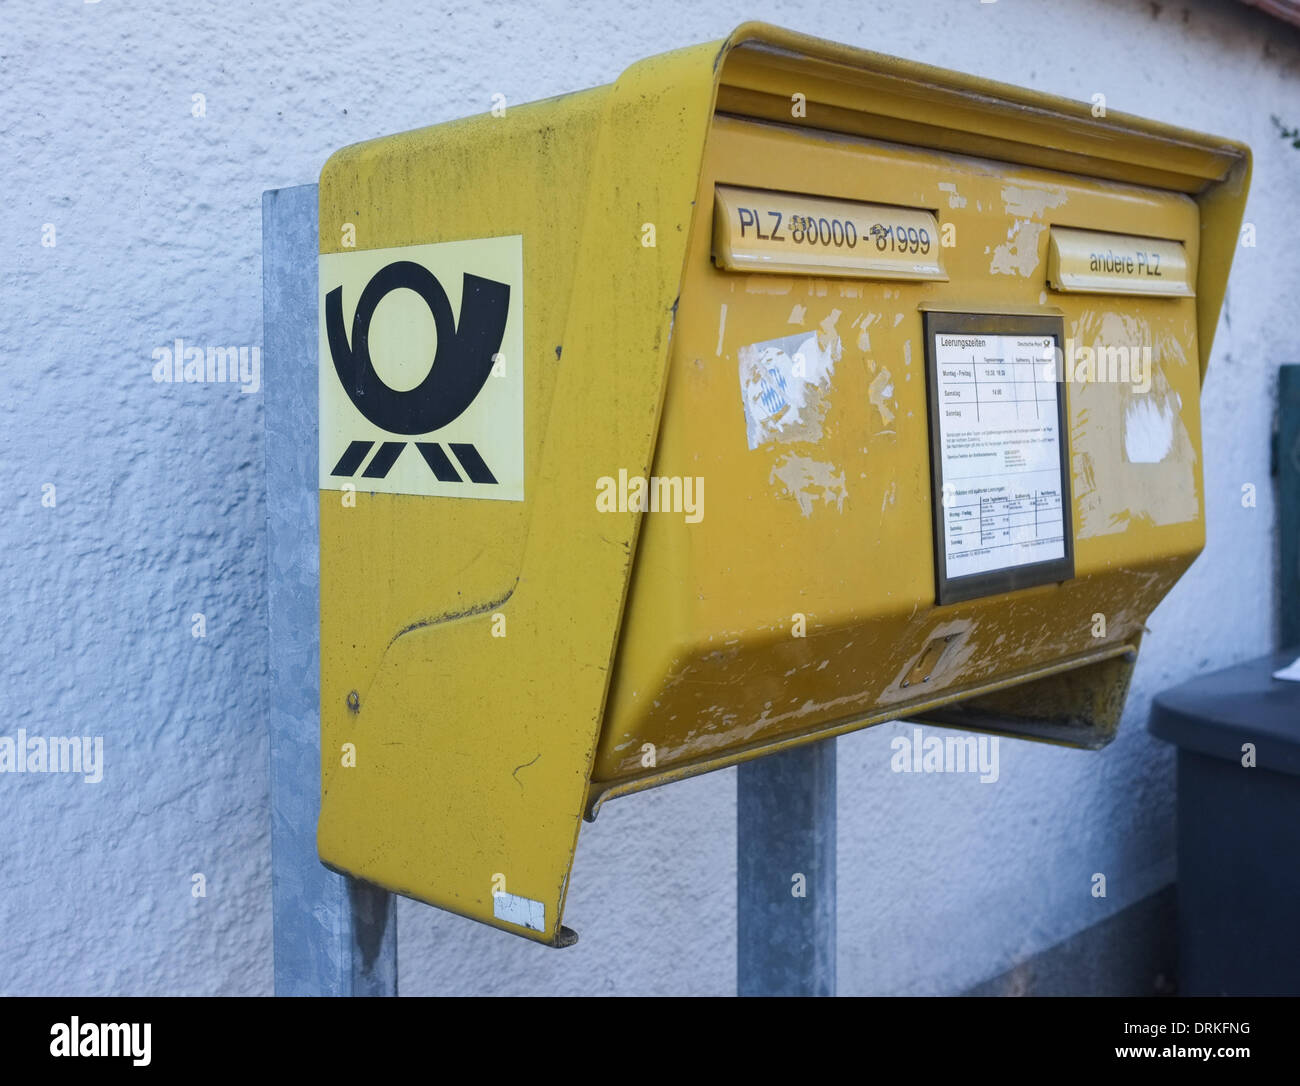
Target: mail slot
x: 775, y: 390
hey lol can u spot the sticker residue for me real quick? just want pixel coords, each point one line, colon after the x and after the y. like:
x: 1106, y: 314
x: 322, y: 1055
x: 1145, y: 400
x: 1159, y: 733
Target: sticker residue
x: 1019, y: 254
x: 1148, y: 430
x: 809, y: 481
x: 784, y: 384
x: 1134, y: 462
x: 880, y: 393
x: 954, y: 198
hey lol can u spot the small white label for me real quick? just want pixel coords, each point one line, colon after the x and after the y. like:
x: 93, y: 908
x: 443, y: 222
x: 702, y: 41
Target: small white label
x: 523, y: 911
x: 1291, y: 673
x: 999, y: 437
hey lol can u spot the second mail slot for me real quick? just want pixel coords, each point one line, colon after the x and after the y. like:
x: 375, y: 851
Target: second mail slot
x: 1090, y: 262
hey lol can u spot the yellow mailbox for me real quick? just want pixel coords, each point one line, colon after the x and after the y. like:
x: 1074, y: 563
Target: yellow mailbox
x: 775, y: 390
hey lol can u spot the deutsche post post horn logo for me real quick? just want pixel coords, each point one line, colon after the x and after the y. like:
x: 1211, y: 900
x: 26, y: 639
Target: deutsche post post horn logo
x: 466, y: 413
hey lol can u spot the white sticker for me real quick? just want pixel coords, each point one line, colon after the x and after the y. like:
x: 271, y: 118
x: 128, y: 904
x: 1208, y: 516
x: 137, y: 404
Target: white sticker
x: 1000, y: 443
x: 1291, y: 673
x: 421, y: 369
x: 523, y: 911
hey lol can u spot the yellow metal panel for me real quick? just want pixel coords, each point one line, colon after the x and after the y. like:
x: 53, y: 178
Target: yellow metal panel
x: 832, y: 521
x: 401, y: 574
x: 1078, y: 724
x: 473, y: 751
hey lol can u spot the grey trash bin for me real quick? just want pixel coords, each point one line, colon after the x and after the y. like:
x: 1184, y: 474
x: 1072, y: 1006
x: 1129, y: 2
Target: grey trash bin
x: 1238, y: 828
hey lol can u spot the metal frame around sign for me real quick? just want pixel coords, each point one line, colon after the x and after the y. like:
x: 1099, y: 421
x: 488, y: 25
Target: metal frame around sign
x: 972, y: 586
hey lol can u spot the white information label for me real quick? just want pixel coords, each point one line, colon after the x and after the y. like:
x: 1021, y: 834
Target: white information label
x: 1000, y: 443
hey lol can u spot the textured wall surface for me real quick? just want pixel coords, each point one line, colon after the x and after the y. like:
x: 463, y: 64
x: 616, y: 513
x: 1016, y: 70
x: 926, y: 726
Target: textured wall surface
x: 158, y: 505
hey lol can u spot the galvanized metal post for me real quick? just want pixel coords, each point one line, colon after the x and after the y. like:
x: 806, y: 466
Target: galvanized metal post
x: 785, y: 842
x: 1288, y: 498
x: 333, y: 935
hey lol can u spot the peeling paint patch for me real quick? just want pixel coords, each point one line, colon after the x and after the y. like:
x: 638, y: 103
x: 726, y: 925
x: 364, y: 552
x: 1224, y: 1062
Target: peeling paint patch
x: 796, y: 314
x: 1031, y: 203
x: 768, y: 284
x: 810, y: 481
x: 865, y: 321
x: 880, y: 393
x: 784, y: 384
x: 1019, y: 254
x: 954, y: 198
x: 1134, y: 462
x: 1148, y: 430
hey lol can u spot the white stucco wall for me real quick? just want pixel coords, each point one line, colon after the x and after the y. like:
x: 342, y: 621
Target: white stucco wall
x: 943, y: 881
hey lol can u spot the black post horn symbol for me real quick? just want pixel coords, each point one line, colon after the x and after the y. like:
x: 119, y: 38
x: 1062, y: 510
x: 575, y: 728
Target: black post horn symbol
x: 459, y: 368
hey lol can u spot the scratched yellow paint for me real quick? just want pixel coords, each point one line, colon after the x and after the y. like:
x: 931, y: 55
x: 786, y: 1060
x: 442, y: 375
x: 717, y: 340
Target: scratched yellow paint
x: 638, y: 649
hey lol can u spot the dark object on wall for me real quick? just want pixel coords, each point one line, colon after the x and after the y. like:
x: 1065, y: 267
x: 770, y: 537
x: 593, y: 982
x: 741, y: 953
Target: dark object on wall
x: 1238, y: 738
